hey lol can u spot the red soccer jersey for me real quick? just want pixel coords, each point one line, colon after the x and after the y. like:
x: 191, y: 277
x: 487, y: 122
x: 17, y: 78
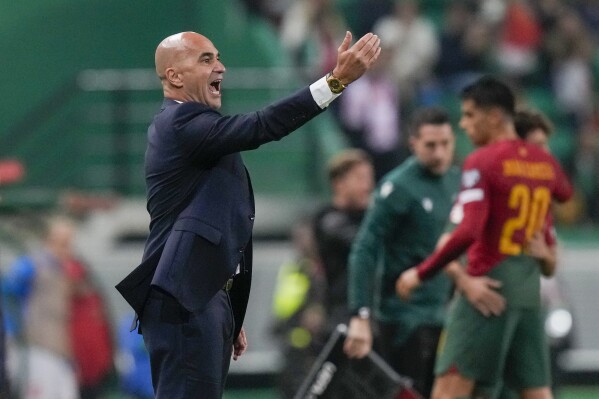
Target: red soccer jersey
x: 507, y: 189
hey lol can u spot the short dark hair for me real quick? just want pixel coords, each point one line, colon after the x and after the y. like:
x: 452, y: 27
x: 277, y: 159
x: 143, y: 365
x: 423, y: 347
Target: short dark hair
x: 427, y: 116
x: 526, y: 121
x: 489, y: 92
x: 340, y: 164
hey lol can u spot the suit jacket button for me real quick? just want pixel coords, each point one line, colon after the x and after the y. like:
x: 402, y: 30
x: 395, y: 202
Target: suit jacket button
x: 241, y: 249
x: 252, y: 217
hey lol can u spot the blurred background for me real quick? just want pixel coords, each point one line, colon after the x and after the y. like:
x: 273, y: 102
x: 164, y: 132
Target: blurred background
x: 80, y: 91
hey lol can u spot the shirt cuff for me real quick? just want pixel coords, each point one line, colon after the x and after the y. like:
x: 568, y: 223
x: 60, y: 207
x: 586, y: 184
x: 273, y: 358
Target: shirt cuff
x: 322, y: 93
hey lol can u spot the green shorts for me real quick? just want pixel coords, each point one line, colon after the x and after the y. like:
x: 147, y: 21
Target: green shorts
x: 511, y: 348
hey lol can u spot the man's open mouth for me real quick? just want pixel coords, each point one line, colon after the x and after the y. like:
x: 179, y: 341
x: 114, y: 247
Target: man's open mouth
x: 215, y: 86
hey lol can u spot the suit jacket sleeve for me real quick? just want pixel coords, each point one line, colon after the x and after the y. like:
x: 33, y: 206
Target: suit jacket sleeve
x: 207, y: 135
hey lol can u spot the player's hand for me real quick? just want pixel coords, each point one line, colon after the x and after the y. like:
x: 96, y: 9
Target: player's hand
x: 240, y: 345
x: 359, y: 338
x: 407, y: 282
x: 353, y: 61
x: 537, y: 247
x: 482, y: 293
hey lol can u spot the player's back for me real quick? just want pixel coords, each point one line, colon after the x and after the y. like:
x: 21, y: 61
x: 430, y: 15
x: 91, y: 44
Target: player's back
x: 517, y: 181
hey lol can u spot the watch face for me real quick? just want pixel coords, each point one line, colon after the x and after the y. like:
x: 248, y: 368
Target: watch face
x: 335, y: 85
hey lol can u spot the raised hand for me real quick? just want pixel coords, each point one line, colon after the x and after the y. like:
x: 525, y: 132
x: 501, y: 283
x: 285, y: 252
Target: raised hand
x: 354, y: 61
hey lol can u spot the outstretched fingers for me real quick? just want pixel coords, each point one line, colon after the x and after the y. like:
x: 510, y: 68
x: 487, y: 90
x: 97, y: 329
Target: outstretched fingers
x: 368, y: 48
x: 373, y: 51
x: 363, y: 41
x: 353, y: 61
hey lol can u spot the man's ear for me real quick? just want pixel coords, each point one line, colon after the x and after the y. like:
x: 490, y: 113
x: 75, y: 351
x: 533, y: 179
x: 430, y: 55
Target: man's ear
x: 496, y: 116
x: 173, y: 77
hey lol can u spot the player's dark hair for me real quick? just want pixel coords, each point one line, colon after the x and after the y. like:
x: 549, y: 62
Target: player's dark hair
x: 345, y: 161
x: 526, y: 121
x: 427, y: 116
x: 489, y: 92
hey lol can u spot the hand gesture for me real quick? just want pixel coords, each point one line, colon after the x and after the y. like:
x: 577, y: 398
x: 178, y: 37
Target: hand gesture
x: 353, y: 61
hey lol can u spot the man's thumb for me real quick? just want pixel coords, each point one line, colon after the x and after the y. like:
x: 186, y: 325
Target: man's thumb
x: 346, y: 42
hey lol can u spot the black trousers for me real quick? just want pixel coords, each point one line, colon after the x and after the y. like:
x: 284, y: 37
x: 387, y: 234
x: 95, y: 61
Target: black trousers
x: 190, y: 352
x: 416, y: 357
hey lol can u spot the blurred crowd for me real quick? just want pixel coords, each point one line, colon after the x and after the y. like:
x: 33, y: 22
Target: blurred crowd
x: 546, y: 49
x: 60, y: 338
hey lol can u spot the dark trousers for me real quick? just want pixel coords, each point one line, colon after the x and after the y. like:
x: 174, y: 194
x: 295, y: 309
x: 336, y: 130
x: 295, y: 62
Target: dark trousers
x: 190, y: 353
x: 416, y: 357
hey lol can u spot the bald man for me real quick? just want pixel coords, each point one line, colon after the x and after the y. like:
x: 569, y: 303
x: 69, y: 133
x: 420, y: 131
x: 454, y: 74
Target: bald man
x: 191, y: 290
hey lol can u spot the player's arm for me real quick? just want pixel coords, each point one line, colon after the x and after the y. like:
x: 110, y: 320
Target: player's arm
x: 543, y: 246
x: 457, y: 244
x: 475, y: 215
x: 480, y: 291
x: 475, y: 204
x: 549, y: 263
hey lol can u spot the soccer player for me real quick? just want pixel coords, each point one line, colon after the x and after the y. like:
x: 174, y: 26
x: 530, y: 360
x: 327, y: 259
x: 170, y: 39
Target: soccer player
x: 507, y: 188
x: 535, y: 128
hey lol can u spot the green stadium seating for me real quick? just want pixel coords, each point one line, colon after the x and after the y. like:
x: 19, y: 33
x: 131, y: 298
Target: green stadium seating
x: 69, y: 139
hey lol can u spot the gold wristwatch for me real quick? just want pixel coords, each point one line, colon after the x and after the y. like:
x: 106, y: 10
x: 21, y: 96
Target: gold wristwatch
x: 335, y: 84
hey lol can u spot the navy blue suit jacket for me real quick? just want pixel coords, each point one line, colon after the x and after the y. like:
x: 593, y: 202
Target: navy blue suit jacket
x: 201, y: 202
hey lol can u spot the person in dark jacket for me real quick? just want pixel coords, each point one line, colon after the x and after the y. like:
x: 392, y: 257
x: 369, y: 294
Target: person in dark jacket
x: 192, y: 287
x: 351, y: 176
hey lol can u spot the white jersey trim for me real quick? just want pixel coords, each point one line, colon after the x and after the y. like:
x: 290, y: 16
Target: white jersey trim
x: 471, y: 195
